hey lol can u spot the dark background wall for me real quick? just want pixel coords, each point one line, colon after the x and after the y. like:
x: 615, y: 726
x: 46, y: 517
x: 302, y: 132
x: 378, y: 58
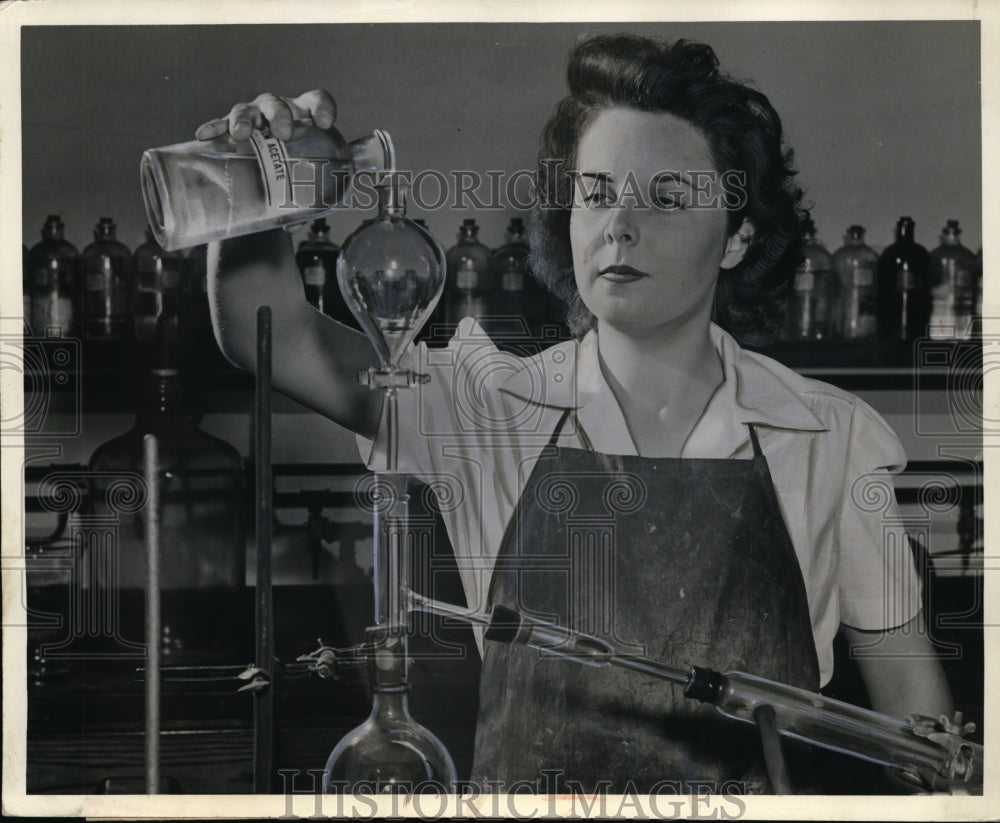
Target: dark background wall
x: 884, y: 116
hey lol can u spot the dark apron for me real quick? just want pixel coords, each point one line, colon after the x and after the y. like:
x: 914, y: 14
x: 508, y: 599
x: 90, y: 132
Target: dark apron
x: 687, y: 561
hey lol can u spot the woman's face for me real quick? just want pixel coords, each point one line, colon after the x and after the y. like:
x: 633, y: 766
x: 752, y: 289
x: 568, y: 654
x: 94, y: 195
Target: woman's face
x: 649, y: 226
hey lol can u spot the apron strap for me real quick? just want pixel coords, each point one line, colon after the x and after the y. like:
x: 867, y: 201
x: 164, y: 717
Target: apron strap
x: 558, y: 429
x: 757, y: 452
x: 554, y: 439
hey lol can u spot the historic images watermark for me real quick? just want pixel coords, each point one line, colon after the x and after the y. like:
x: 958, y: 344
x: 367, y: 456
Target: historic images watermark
x: 308, y: 184
x: 551, y: 796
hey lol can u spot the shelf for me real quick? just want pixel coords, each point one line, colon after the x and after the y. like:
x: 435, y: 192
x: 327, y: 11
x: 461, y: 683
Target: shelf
x: 882, y: 364
x: 104, y: 377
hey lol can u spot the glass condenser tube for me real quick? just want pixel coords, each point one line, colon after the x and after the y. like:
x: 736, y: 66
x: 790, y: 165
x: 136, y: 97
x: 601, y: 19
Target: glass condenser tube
x: 800, y: 714
x: 836, y: 725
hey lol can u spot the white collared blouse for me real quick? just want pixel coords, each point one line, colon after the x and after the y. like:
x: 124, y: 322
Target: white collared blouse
x: 475, y: 430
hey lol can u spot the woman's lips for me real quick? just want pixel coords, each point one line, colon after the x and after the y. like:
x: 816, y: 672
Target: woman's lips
x: 622, y: 274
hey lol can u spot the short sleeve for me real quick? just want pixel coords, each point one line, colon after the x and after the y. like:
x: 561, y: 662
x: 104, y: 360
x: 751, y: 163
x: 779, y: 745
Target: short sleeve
x: 878, y: 582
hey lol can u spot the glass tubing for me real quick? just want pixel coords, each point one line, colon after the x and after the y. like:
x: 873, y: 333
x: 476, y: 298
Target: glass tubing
x: 799, y: 714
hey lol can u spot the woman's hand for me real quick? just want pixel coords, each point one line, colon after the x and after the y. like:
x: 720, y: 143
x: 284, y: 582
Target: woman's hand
x: 277, y: 112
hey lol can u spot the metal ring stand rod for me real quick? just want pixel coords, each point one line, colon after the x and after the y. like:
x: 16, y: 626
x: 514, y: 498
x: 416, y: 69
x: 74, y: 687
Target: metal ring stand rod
x: 263, y: 703
x: 151, y: 470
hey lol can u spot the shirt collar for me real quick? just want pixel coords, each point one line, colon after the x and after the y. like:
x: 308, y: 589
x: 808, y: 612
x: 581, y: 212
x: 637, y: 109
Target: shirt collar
x: 755, y: 389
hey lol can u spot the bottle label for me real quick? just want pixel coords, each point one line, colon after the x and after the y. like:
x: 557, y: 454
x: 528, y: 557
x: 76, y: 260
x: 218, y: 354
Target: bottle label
x: 804, y: 281
x: 467, y: 279
x: 314, y: 275
x: 512, y: 281
x: 96, y: 281
x: 964, y: 278
x: 49, y: 310
x: 272, y: 157
x: 864, y: 275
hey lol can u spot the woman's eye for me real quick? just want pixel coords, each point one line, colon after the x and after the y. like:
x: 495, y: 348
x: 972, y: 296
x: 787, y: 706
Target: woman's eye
x: 670, y: 201
x: 597, y: 197
x: 593, y: 192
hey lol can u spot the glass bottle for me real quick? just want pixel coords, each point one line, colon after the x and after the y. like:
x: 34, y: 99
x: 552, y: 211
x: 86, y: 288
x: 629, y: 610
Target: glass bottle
x: 390, y: 752
x: 158, y: 287
x: 55, y: 282
x: 210, y: 189
x: 903, y: 294
x: 855, y: 265
x: 467, y: 291
x: 202, y: 524
x: 25, y: 286
x: 317, y: 261
x: 107, y: 267
x: 515, y: 294
x: 953, y: 287
x: 814, y: 301
x: 977, y: 314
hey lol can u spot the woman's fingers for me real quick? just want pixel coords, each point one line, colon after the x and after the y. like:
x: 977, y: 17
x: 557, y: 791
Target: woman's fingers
x: 320, y: 105
x: 243, y: 119
x: 278, y: 112
x: 213, y: 128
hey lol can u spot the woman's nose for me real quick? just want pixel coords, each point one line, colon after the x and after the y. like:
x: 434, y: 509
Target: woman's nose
x: 621, y: 228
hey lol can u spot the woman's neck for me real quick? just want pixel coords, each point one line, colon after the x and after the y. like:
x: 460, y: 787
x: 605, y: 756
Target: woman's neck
x: 662, y: 383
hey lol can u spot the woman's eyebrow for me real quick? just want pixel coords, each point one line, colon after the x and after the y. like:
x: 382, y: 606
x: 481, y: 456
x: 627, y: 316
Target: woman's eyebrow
x: 673, y: 177
x: 603, y: 176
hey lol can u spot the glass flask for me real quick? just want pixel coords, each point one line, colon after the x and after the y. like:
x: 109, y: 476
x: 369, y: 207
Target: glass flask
x: 814, y: 302
x: 953, y: 287
x: 107, y: 266
x: 856, y: 264
x: 158, y: 287
x: 903, y: 294
x: 390, y: 752
x: 206, y: 190
x: 390, y: 273
x: 54, y: 282
x: 467, y: 293
x: 317, y: 261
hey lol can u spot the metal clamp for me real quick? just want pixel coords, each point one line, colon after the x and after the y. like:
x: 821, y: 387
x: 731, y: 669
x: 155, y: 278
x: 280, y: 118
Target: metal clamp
x: 328, y: 662
x: 256, y: 678
x: 949, y: 734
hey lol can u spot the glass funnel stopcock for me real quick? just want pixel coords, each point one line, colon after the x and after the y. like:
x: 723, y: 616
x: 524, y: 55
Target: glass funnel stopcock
x: 391, y: 274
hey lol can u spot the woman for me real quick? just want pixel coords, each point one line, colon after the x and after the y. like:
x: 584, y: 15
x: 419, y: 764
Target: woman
x: 651, y: 482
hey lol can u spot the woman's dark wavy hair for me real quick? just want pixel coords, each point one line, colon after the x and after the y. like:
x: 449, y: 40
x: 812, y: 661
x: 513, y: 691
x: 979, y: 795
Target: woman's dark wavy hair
x: 743, y: 132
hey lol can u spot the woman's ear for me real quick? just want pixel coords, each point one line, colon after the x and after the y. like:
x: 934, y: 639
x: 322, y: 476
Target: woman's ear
x: 737, y: 245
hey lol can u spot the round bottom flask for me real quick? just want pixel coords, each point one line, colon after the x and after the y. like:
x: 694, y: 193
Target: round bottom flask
x: 390, y: 752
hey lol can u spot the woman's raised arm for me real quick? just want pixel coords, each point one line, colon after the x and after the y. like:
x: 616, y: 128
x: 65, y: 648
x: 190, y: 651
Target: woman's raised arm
x: 315, y: 360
